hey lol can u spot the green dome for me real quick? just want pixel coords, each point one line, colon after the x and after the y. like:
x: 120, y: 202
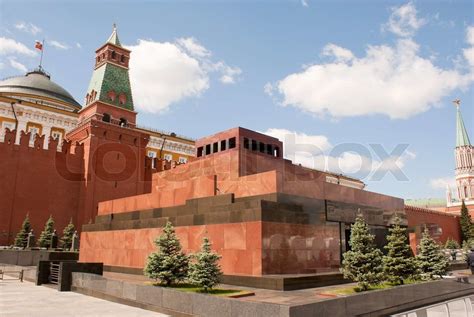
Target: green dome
x: 37, y: 83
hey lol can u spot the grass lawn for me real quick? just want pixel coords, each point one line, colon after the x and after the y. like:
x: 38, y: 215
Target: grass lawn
x: 215, y: 291
x: 354, y: 290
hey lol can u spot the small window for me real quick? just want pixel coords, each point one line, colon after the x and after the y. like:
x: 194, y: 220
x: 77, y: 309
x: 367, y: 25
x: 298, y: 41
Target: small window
x: 208, y: 149
x: 254, y: 145
x: 261, y: 147
x: 246, y: 143
x: 33, y: 131
x: 123, y: 122
x: 215, y: 147
x: 223, y: 145
x: 168, y: 157
x: 269, y: 149
x: 114, y: 56
x: 111, y: 94
x: 122, y: 58
x: 56, y: 135
x: 199, y: 151
x: 182, y: 160
x: 122, y: 99
x: 106, y: 117
x: 152, y: 155
x: 276, y: 152
x: 232, y: 143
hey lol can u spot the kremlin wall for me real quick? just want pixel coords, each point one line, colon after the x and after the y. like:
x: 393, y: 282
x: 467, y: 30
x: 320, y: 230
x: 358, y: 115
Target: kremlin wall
x: 263, y: 214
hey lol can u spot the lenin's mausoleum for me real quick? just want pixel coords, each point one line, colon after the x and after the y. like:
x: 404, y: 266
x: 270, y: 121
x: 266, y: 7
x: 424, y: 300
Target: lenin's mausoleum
x: 116, y: 181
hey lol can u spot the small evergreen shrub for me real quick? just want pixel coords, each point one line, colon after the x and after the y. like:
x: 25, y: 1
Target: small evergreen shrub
x: 44, y: 240
x: 21, y: 238
x: 465, y: 224
x: 68, y: 232
x: 399, y: 263
x: 363, y: 263
x: 451, y: 244
x: 169, y: 265
x: 205, y: 272
x: 431, y: 260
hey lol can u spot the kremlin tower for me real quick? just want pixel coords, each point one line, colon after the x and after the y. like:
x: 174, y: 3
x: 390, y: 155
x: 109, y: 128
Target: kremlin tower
x: 464, y: 158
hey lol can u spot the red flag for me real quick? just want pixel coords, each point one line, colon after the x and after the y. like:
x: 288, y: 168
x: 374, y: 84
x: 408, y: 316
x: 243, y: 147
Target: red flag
x: 39, y: 45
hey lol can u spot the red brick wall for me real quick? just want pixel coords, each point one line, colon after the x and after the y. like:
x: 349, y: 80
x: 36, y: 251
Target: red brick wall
x: 419, y: 217
x: 39, y: 182
x: 108, y: 164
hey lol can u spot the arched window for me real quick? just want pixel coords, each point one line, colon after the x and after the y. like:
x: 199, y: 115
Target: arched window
x: 122, y: 58
x: 465, y: 192
x: 111, y: 94
x: 106, y: 117
x: 114, y: 55
x: 122, y: 99
x: 123, y: 122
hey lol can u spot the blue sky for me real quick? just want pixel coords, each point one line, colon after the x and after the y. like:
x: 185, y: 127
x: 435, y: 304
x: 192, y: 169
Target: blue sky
x: 333, y: 72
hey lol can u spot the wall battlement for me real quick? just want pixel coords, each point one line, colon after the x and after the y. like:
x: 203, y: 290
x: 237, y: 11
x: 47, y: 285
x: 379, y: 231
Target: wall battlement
x: 53, y: 144
x: 157, y: 165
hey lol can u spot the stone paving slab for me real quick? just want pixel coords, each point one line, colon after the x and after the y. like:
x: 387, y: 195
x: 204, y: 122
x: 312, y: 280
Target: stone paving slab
x: 25, y: 300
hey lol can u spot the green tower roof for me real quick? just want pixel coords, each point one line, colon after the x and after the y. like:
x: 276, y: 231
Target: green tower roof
x: 110, y: 77
x: 113, y: 39
x: 462, y: 138
x: 110, y: 81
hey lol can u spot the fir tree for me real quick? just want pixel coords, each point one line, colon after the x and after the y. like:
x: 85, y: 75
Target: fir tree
x: 170, y: 264
x: 68, y: 232
x: 399, y: 263
x: 44, y: 240
x: 465, y: 222
x: 363, y: 263
x: 431, y: 260
x: 205, y: 272
x: 451, y: 244
x: 21, y: 239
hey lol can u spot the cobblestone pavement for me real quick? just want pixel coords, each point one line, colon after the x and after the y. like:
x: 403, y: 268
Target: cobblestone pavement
x: 26, y: 299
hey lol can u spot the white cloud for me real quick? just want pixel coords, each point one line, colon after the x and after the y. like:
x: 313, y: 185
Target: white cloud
x: 314, y: 144
x: 304, y: 3
x: 193, y: 47
x: 469, y: 52
x: 168, y: 72
x: 78, y: 45
x: 380, y: 82
x: 10, y: 46
x: 229, y: 74
x: 443, y: 182
x: 17, y: 65
x: 315, y: 151
x: 268, y: 89
x: 2, y: 65
x: 28, y: 27
x: 340, y: 54
x: 58, y: 45
x: 404, y: 21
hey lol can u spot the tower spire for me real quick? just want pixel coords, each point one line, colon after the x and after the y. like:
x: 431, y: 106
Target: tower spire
x: 113, y: 39
x: 462, y: 138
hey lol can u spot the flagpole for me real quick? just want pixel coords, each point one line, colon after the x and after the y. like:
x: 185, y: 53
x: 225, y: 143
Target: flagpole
x: 41, y: 58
